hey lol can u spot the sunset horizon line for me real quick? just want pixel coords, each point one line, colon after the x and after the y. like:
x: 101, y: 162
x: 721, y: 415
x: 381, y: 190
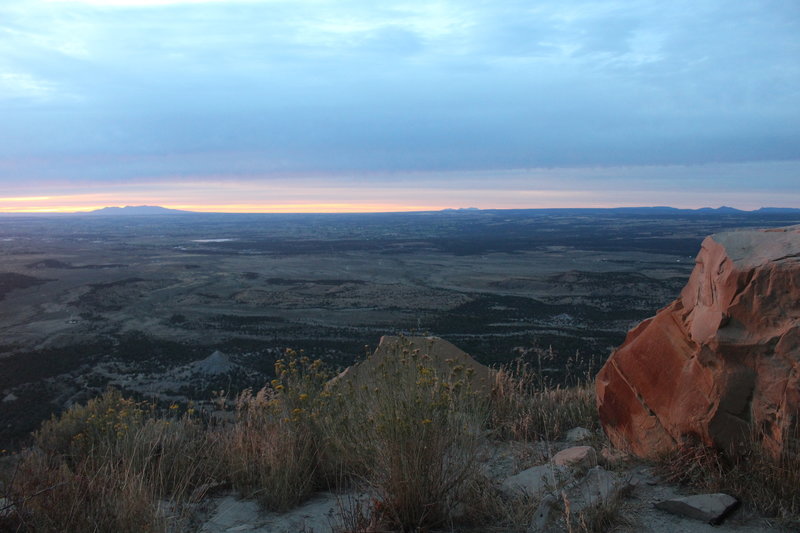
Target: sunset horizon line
x: 336, y: 208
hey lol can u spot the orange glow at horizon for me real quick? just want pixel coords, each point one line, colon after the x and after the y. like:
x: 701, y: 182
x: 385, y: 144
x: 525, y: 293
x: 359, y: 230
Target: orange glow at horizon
x: 288, y: 197
x: 24, y: 198
x: 435, y: 192
x: 235, y: 208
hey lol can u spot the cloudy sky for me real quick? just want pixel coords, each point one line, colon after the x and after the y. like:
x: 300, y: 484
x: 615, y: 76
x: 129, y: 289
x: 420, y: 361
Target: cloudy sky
x: 345, y: 105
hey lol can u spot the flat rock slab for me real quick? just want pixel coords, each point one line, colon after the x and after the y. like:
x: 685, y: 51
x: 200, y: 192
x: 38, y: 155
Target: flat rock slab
x: 710, y: 508
x: 537, y: 480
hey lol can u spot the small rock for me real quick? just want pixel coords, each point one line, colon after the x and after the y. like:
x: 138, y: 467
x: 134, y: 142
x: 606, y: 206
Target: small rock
x: 578, y: 434
x: 536, y: 480
x: 577, y: 456
x: 712, y: 508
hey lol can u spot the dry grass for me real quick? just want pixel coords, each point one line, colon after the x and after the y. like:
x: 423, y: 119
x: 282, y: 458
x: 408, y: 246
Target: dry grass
x: 413, y: 434
x: 102, y: 467
x: 768, y: 484
x: 273, y: 452
x: 82, y: 497
x: 492, y: 511
x: 525, y: 407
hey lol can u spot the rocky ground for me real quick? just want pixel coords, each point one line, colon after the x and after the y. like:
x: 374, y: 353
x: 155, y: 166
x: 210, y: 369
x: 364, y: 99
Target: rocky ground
x: 630, y: 486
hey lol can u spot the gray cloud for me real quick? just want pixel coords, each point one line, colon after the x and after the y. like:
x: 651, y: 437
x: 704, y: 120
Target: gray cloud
x: 316, y: 87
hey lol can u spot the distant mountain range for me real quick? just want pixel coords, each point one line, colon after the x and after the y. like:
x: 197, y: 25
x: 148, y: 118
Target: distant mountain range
x: 137, y: 210
x: 158, y: 210
x: 654, y: 210
x: 152, y: 210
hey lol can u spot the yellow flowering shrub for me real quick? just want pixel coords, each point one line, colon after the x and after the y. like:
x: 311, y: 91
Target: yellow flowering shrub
x: 273, y: 452
x: 100, y: 424
x: 113, y: 459
x: 413, y: 432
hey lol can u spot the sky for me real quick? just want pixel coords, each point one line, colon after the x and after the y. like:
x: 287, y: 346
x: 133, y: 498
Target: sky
x: 392, y: 105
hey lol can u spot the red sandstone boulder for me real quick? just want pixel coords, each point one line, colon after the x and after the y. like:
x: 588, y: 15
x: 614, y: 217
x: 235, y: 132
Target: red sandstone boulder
x: 722, y: 358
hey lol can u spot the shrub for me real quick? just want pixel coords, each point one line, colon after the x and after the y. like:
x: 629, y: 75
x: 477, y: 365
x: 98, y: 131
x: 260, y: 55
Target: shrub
x: 103, y: 466
x: 103, y: 425
x: 273, y: 450
x: 412, y: 433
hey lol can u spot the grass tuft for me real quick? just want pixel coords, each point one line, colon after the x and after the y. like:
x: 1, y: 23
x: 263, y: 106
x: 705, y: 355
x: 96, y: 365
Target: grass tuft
x: 764, y: 482
x: 525, y: 407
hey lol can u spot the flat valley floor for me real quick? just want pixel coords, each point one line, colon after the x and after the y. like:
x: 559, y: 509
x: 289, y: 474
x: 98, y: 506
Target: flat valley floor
x: 176, y: 307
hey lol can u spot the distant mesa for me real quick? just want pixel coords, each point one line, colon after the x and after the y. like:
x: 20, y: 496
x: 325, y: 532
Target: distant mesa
x: 722, y: 209
x: 137, y: 210
x: 640, y: 210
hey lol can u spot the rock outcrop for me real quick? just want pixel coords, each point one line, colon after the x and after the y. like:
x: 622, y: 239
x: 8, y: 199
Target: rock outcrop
x: 722, y: 358
x: 440, y: 355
